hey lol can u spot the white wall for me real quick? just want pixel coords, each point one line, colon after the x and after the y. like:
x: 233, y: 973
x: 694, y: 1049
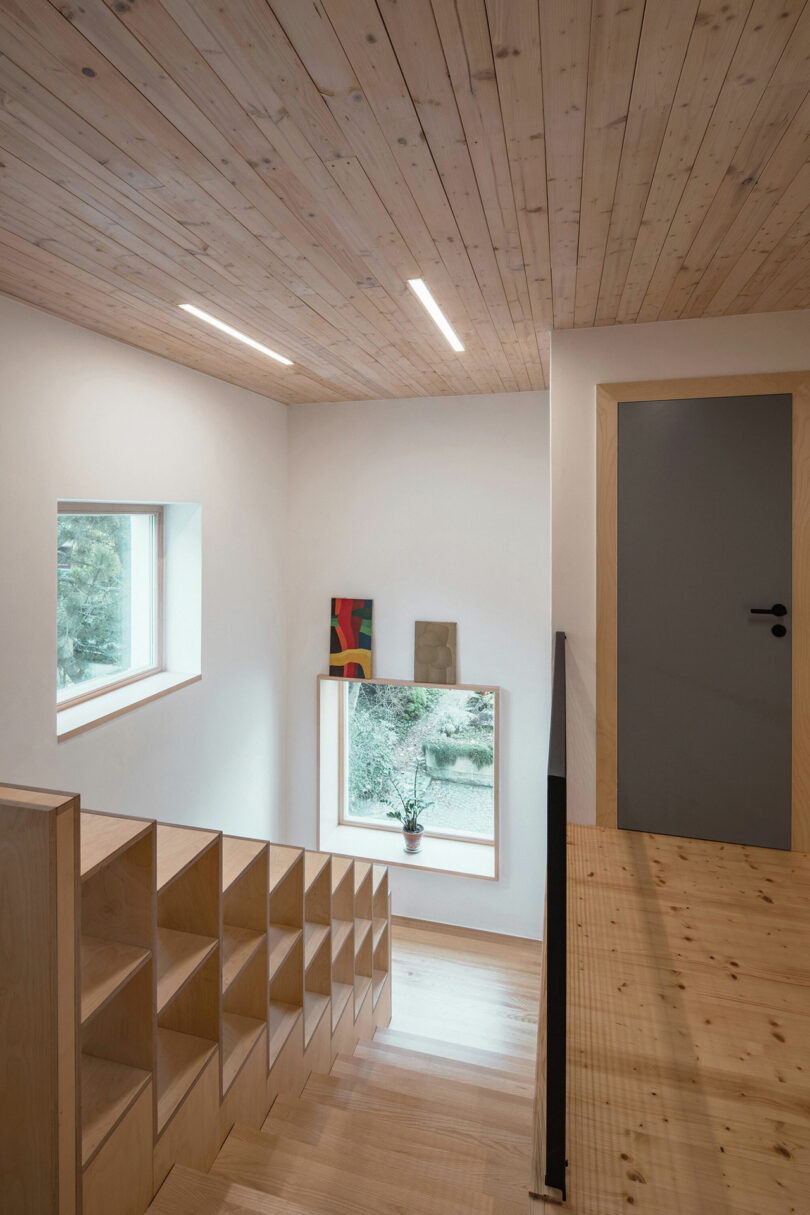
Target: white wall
x: 581, y: 359
x: 82, y: 416
x: 437, y: 509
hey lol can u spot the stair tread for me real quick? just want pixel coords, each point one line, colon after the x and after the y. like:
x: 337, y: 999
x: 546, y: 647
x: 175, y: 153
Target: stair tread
x: 402, y: 1110
x: 331, y: 1182
x: 188, y: 1192
x: 380, y: 1126
x: 457, y: 1094
x: 462, y: 1159
x: 521, y: 1066
x: 451, y: 1069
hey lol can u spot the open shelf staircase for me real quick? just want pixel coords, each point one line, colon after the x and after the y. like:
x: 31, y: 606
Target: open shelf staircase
x: 389, y: 1131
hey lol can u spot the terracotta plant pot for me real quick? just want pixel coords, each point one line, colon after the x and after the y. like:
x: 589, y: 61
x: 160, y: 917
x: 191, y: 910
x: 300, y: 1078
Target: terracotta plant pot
x: 413, y: 839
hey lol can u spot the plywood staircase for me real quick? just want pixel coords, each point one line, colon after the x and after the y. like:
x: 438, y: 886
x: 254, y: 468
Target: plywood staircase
x: 389, y: 1131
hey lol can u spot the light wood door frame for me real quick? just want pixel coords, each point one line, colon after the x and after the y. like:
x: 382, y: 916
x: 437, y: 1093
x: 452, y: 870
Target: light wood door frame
x: 608, y: 396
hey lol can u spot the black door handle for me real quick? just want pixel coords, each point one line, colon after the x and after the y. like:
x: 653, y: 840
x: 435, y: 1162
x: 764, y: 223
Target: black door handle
x: 778, y: 609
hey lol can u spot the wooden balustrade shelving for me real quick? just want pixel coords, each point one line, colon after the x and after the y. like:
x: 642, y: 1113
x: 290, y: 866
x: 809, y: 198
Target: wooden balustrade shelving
x: 363, y: 902
x: 189, y: 919
x: 317, y: 940
x: 342, y: 936
x: 362, y: 973
x: 212, y: 972
x: 245, y: 908
x: 117, y: 859
x: 286, y: 902
x: 381, y: 932
x: 286, y: 940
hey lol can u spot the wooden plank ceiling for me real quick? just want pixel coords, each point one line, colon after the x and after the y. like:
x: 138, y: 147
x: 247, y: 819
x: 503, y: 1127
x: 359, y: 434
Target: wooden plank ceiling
x: 288, y: 165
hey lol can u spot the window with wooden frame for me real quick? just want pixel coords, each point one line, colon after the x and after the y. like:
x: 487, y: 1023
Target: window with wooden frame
x: 395, y: 738
x: 109, y: 604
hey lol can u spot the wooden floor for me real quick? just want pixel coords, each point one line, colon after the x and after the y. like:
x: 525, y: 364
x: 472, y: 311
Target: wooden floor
x: 689, y: 1027
x: 458, y: 995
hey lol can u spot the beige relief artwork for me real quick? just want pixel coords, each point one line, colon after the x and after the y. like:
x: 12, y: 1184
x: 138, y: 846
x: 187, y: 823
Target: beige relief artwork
x: 434, y: 652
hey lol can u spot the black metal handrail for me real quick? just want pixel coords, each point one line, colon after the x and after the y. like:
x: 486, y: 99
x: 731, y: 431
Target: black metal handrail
x: 556, y: 931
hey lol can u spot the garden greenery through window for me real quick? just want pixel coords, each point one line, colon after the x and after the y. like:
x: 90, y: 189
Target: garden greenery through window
x: 442, y: 739
x: 108, y: 597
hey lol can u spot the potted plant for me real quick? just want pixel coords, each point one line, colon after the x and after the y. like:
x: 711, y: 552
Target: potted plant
x: 413, y: 808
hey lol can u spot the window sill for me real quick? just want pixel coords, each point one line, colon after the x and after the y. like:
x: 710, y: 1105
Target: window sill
x: 90, y: 713
x: 437, y: 856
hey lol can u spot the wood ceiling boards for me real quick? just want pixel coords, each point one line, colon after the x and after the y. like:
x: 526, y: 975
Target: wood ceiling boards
x: 287, y: 166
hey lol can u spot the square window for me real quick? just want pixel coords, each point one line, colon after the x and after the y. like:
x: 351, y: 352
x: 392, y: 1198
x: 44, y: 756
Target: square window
x: 398, y: 741
x: 109, y: 597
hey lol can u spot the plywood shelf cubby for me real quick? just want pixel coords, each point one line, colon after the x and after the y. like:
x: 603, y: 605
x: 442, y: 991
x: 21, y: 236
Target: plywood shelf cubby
x: 341, y: 931
x: 380, y: 890
x: 362, y: 883
x: 343, y: 909
x: 238, y: 947
x: 315, y: 1005
x: 105, y: 967
x: 103, y: 836
x: 342, y: 977
x: 117, y: 1058
x: 381, y: 958
x: 177, y: 849
x: 180, y: 1059
x: 317, y: 936
x: 315, y: 863
x: 362, y: 928
x: 285, y: 939
x: 108, y: 1091
x: 239, y: 1035
x: 341, y: 994
x: 381, y: 932
x: 362, y: 984
x: 378, y: 982
x: 238, y: 855
x: 379, y: 925
x: 117, y: 928
x: 283, y: 858
x: 318, y: 975
x: 179, y: 956
x: 362, y: 968
x: 244, y: 1012
x: 188, y: 1005
x: 281, y: 1020
x: 286, y: 999
x: 314, y: 937
x: 281, y: 940
x: 245, y: 885
x: 342, y: 871
x: 363, y: 903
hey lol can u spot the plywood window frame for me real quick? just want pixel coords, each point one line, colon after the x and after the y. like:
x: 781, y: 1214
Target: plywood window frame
x: 158, y: 667
x: 346, y: 820
x: 608, y: 397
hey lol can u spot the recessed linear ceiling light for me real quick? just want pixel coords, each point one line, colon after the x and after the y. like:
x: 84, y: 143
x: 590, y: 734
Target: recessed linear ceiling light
x: 234, y: 333
x: 417, y: 286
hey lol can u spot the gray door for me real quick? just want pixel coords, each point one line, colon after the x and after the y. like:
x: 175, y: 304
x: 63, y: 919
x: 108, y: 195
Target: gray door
x: 704, y: 685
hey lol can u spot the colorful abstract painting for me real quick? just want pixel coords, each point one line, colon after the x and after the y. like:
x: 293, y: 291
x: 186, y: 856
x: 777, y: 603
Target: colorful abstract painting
x: 350, y: 639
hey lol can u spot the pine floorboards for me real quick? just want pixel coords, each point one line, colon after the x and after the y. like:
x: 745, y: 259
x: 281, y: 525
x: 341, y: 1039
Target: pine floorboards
x: 689, y: 1027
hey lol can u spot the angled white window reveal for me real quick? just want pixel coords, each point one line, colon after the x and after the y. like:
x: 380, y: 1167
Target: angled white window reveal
x: 420, y: 290
x: 109, y: 607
